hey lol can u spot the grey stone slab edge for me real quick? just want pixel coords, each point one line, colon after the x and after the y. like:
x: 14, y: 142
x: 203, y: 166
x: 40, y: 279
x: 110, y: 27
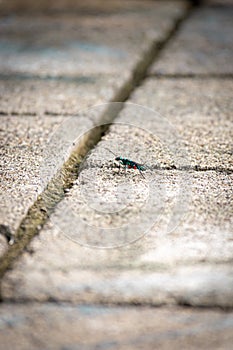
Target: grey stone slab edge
x: 200, y: 286
x: 36, y: 326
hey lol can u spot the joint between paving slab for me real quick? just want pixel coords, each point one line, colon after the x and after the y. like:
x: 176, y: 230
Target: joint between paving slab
x: 16, y: 114
x: 175, y: 303
x: 139, y: 305
x: 183, y: 168
x: 45, y: 204
x: 196, y: 168
x: 222, y: 76
x: 40, y: 211
x: 60, y: 78
x: 155, y: 50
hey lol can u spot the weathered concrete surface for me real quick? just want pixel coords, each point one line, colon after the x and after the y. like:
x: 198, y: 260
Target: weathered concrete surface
x: 202, y: 46
x: 179, y: 219
x: 33, y: 149
x: 92, y: 57
x: 55, y: 97
x: 73, y: 44
x: 199, y: 111
x: 69, y: 47
x: 23, y: 144
x: 35, y: 326
x: 195, y: 206
x: 185, y: 213
x: 151, y: 269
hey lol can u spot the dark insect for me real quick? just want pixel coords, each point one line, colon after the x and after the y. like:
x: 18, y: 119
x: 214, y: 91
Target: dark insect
x: 130, y: 164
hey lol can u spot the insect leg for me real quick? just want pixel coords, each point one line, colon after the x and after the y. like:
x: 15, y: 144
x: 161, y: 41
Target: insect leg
x: 141, y: 174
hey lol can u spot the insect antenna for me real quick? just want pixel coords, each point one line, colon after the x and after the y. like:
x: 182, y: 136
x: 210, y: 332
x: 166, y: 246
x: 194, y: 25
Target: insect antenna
x: 111, y: 151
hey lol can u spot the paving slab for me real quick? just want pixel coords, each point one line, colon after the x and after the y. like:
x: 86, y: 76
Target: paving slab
x: 55, y: 97
x: 185, y: 256
x: 35, y: 326
x: 203, y: 45
x: 84, y: 45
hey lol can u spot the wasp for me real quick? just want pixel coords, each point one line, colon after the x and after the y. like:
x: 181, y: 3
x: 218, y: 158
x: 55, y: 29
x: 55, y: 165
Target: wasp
x: 130, y: 164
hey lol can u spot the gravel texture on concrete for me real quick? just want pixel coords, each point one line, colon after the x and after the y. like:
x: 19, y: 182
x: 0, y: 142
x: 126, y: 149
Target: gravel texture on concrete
x: 198, y: 111
x: 61, y: 64
x: 55, y: 97
x: 157, y: 235
x: 23, y: 145
x: 35, y: 326
x: 83, y: 45
x: 33, y: 149
x: 182, y: 258
x: 64, y: 62
x: 176, y: 214
x: 203, y: 45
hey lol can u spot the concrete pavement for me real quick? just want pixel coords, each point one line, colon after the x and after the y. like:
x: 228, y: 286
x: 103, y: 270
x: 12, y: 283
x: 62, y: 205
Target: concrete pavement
x: 107, y: 258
